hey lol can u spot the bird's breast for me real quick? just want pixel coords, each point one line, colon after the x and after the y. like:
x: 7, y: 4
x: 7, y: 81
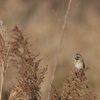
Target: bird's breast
x: 79, y: 65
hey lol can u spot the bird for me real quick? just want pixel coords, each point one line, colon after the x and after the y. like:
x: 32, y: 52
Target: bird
x: 78, y: 62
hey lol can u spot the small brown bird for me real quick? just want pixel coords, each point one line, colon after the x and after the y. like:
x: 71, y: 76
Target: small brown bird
x: 79, y: 62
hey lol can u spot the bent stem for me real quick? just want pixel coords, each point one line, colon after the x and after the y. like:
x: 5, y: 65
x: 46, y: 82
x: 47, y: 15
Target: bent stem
x: 59, y: 47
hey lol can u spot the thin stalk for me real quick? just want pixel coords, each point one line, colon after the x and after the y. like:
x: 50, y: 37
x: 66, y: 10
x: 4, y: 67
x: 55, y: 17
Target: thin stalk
x: 2, y: 79
x: 59, y: 48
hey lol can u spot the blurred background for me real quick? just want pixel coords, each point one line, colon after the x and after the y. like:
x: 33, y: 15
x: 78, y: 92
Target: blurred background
x: 41, y: 21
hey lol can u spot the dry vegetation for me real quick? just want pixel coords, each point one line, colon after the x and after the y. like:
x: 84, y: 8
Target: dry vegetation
x: 30, y: 76
x: 17, y: 53
x: 42, y: 22
x: 75, y: 88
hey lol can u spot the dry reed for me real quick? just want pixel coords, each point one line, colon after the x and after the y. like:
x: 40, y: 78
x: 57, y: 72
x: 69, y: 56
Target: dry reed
x: 4, y: 54
x: 30, y: 76
x: 75, y: 88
